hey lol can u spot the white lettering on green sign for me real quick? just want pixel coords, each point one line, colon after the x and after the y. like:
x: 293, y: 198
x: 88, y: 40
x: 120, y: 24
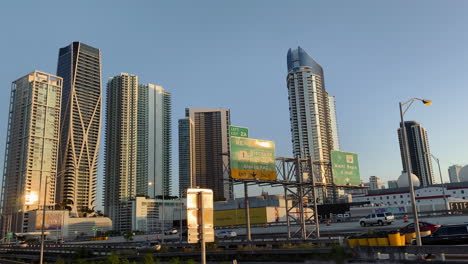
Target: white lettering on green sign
x: 235, y: 131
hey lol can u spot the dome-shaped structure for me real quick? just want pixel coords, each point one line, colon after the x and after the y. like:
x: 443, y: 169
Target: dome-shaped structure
x: 403, y: 180
x: 464, y: 174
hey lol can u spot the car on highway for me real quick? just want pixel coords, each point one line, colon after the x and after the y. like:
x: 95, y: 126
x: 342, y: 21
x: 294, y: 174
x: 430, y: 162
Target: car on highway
x: 423, y: 226
x: 149, y: 245
x: 447, y: 235
x: 173, y: 231
x: 377, y: 219
x: 22, y: 244
x: 226, y: 234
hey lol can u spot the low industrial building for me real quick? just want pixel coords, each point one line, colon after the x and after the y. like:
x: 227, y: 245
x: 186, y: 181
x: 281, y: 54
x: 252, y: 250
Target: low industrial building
x: 264, y: 209
x: 59, y: 224
x: 437, y: 197
x: 146, y: 215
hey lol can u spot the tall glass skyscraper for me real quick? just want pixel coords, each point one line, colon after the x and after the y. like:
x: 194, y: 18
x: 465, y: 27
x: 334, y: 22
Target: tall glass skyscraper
x: 186, y: 159
x: 312, y: 112
x: 80, y: 67
x: 203, y: 145
x: 121, y: 146
x: 420, y: 154
x: 30, y: 166
x: 155, y: 155
x: 138, y: 145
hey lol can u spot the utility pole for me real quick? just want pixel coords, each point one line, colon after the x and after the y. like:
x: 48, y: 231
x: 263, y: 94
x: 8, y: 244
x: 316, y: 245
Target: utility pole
x: 41, y: 258
x: 314, y: 195
x: 247, y: 213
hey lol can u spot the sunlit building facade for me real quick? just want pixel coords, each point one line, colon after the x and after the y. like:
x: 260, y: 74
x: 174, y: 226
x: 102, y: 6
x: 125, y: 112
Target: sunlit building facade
x: 121, y: 144
x: 30, y: 166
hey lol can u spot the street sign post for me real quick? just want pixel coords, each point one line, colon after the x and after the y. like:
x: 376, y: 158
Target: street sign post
x: 252, y: 159
x: 200, y: 218
x: 345, y: 168
x: 236, y: 131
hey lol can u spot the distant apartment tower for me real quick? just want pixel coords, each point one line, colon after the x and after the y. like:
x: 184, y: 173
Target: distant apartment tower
x: 121, y: 146
x: 375, y: 183
x: 186, y: 159
x: 154, y: 140
x: 454, y: 173
x: 203, y: 150
x: 30, y: 165
x: 392, y: 184
x: 312, y: 112
x: 333, y: 122
x: 80, y: 67
x: 420, y: 154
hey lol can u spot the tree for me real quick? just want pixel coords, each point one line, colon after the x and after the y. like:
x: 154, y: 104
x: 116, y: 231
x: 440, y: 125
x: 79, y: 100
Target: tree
x: 113, y: 259
x: 128, y: 236
x: 148, y: 259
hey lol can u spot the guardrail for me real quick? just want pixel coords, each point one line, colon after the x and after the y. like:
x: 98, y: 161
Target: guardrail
x: 105, y: 249
x: 374, y: 253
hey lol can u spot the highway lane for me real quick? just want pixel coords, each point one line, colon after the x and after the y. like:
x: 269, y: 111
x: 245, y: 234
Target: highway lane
x: 335, y: 229
x: 344, y: 228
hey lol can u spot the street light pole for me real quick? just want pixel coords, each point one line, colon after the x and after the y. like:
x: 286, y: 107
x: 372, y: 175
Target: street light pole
x: 408, y: 163
x: 441, y: 181
x: 41, y: 258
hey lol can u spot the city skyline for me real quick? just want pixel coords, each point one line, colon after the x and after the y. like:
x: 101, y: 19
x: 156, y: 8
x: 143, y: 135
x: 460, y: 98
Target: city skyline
x: 349, y: 46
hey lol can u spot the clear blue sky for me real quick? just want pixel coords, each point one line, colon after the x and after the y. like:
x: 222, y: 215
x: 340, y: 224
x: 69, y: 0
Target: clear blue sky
x: 233, y: 54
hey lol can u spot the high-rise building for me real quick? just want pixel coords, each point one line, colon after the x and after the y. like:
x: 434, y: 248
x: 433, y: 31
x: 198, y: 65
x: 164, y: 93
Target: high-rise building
x: 121, y: 145
x: 420, y: 154
x: 186, y: 147
x: 333, y: 122
x: 312, y: 112
x: 392, y: 184
x: 154, y: 140
x: 375, y: 183
x: 30, y: 166
x: 454, y: 173
x: 80, y: 67
x: 203, y: 148
x: 138, y: 145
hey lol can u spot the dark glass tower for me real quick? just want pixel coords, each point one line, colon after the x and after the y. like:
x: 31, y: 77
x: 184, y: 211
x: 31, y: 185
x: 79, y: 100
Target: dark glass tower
x: 80, y: 67
x: 420, y: 154
x: 203, y: 143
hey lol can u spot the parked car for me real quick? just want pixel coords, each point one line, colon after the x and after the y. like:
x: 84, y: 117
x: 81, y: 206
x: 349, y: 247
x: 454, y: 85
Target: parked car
x: 423, y: 226
x: 378, y: 218
x: 447, y: 235
x: 226, y: 234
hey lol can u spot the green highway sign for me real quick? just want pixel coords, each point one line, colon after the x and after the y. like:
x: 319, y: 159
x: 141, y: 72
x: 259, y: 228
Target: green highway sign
x: 9, y: 235
x: 235, y: 131
x: 94, y: 228
x: 252, y: 159
x: 345, y: 168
